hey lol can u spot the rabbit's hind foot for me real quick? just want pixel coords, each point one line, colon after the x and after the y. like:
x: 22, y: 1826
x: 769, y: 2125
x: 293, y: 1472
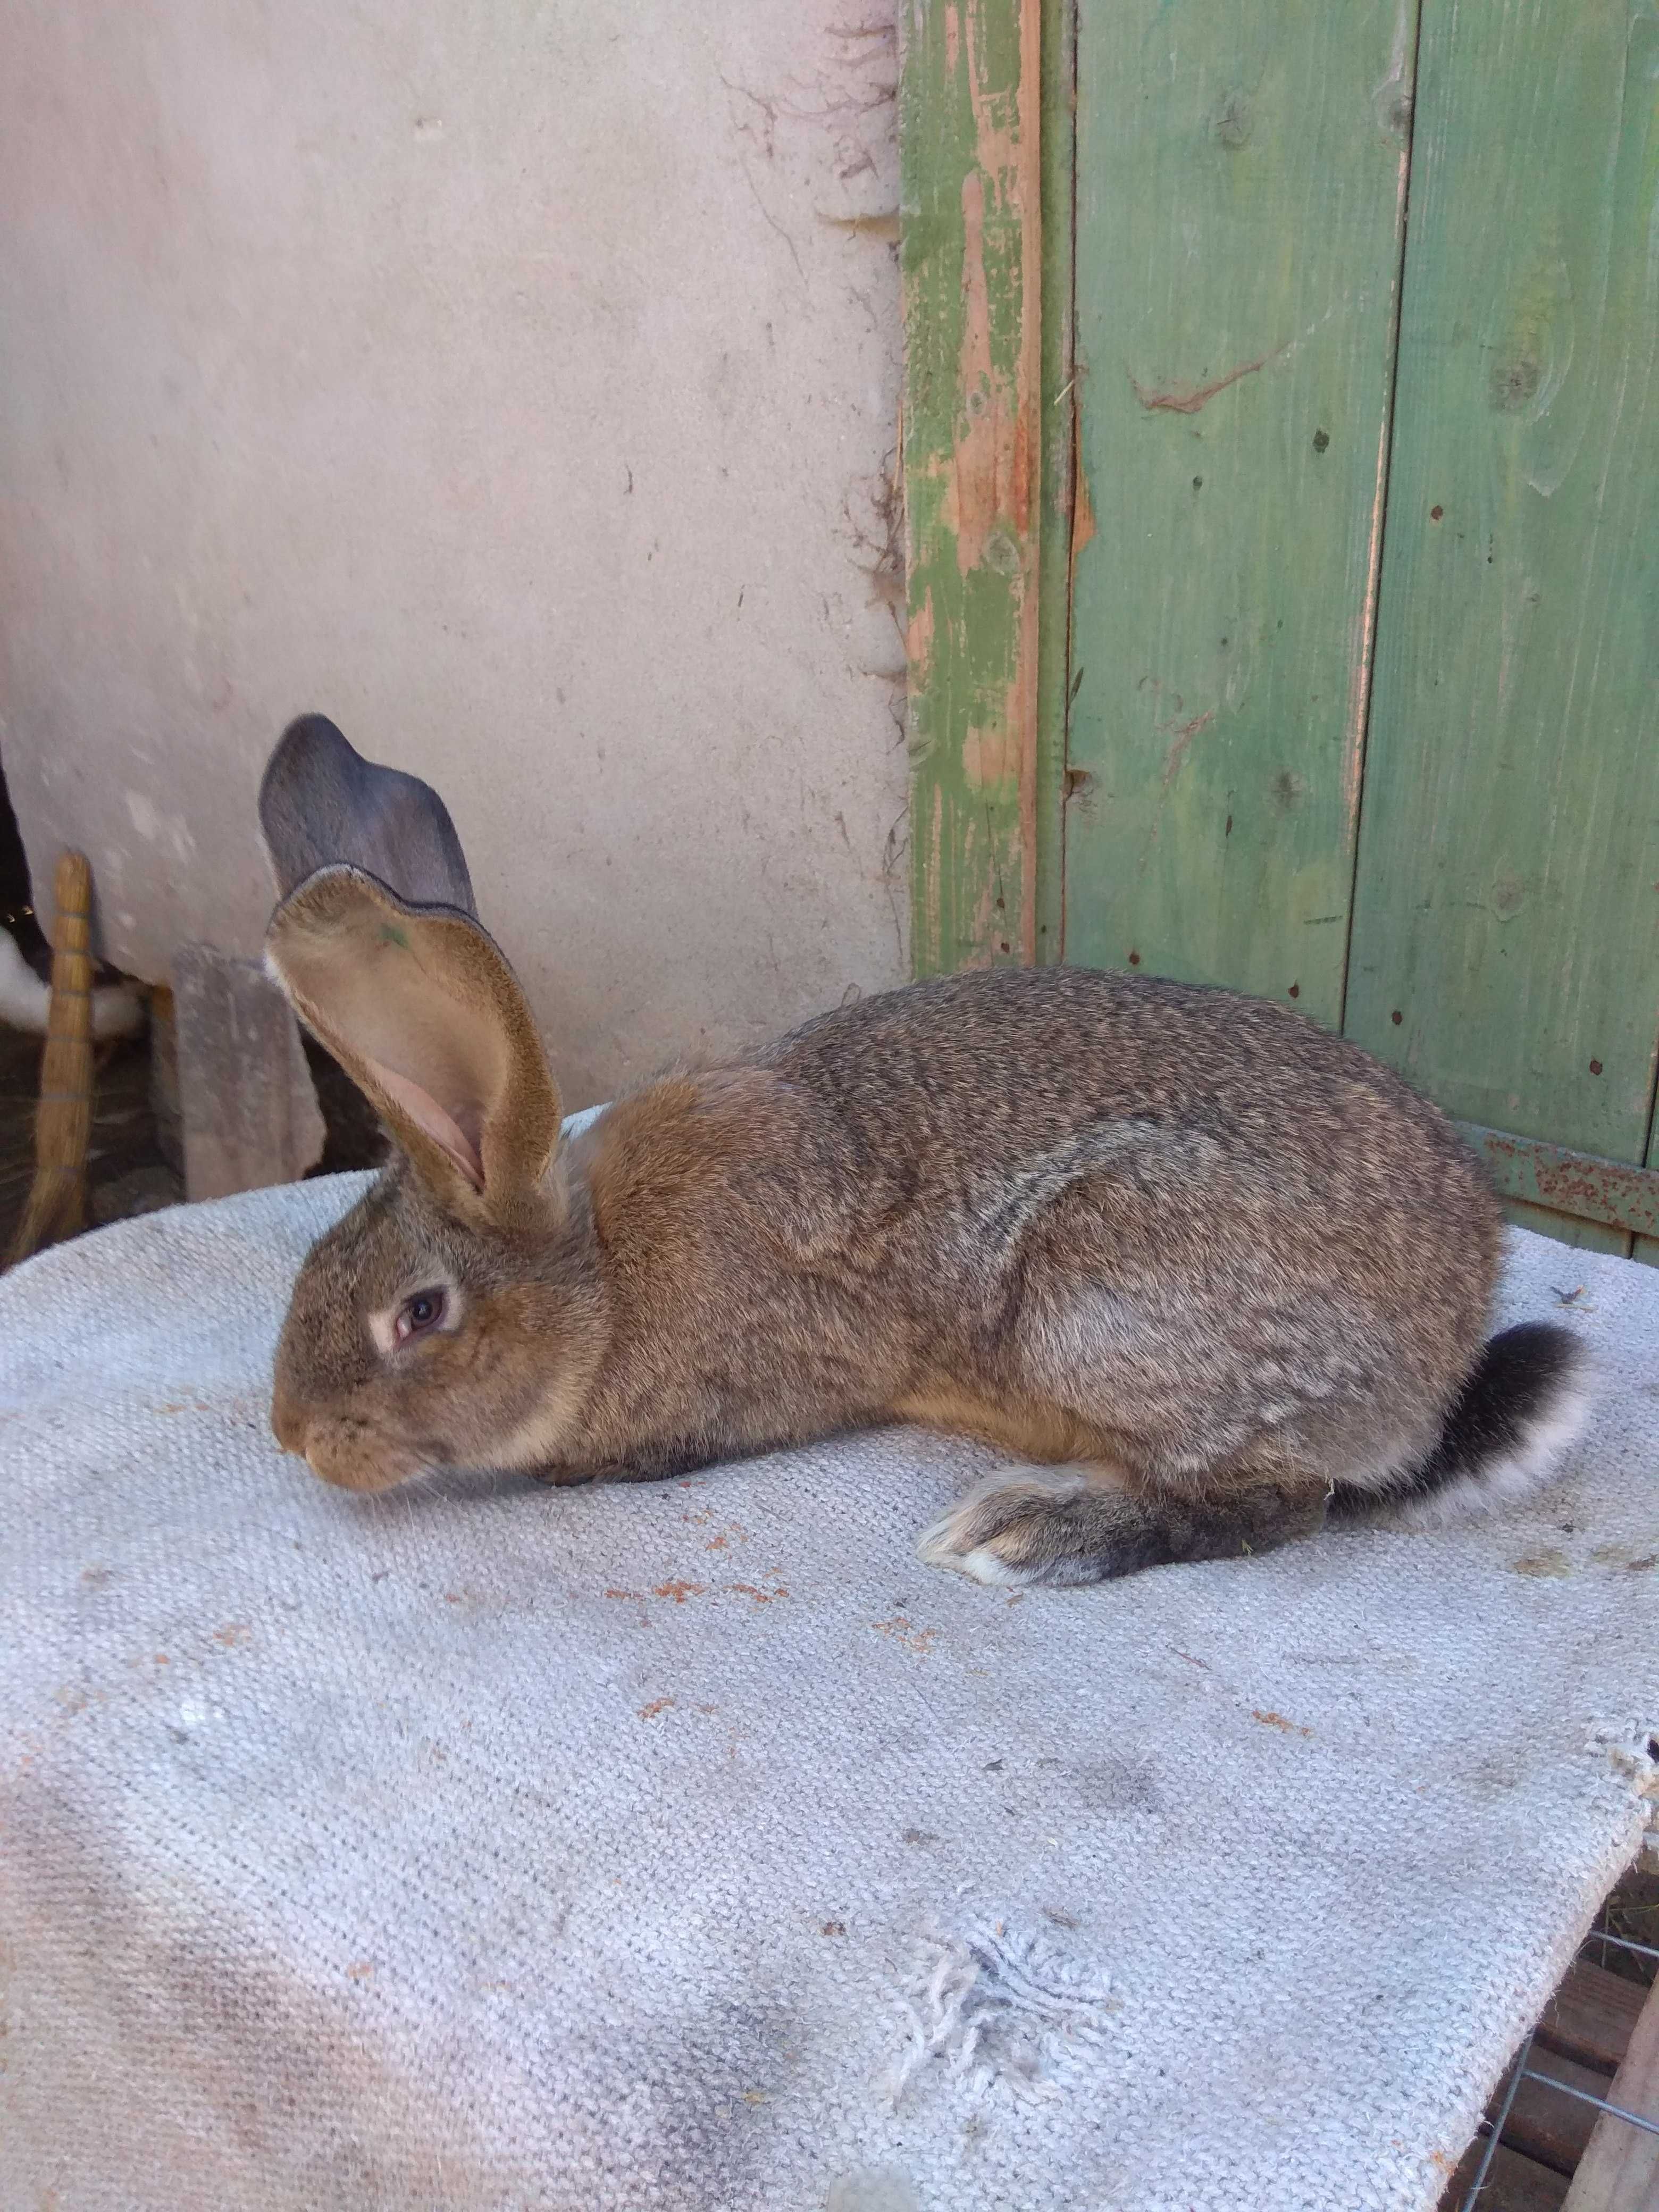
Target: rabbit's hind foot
x: 1062, y: 1525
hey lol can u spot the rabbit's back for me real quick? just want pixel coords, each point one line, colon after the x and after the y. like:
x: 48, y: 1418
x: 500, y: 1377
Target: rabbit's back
x: 998, y: 1077
x: 1102, y: 1188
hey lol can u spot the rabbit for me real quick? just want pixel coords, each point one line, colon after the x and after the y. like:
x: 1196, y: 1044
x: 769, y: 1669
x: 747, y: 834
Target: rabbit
x: 1205, y: 1273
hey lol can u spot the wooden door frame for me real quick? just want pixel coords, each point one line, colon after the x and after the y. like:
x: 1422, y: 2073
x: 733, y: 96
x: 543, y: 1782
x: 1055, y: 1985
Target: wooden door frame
x: 986, y: 97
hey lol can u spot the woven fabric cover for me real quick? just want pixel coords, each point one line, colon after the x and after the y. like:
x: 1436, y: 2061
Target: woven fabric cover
x: 691, y: 1846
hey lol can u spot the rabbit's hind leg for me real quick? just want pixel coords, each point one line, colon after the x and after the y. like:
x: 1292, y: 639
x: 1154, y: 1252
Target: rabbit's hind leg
x: 1062, y: 1526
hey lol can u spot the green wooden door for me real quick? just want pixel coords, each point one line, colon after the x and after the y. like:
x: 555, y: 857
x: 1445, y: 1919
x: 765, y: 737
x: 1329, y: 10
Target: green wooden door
x: 1506, y: 950
x: 1326, y: 663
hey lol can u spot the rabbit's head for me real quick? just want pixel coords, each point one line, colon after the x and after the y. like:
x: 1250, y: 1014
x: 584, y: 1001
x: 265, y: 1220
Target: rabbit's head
x: 454, y: 1317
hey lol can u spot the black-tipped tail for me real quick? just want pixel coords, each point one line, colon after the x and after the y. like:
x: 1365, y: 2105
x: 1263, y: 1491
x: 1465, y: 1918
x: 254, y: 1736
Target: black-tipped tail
x: 1527, y: 1399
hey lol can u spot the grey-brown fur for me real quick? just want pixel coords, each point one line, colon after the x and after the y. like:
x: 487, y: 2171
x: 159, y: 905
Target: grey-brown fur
x: 1191, y: 1260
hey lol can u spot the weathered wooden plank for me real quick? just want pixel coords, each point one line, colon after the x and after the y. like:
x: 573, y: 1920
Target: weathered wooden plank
x: 248, y: 1107
x: 1058, y: 446
x: 970, y: 254
x: 1506, y: 924
x: 165, y: 1110
x: 1241, y: 178
x: 57, y: 1204
x: 1513, y: 2183
x: 1545, y: 2125
x: 1567, y: 1229
x: 1592, y: 2016
x: 1619, y: 2169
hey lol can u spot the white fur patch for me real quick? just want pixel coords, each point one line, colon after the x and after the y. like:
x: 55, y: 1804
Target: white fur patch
x: 575, y: 1123
x: 1388, y: 1469
x: 1504, y: 1481
x: 981, y: 1564
x: 949, y: 1542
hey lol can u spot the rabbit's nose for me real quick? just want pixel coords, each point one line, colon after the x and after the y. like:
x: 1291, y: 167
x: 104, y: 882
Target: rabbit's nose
x: 285, y: 1425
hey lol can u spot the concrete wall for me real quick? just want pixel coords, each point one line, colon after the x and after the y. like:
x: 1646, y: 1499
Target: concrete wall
x: 516, y: 384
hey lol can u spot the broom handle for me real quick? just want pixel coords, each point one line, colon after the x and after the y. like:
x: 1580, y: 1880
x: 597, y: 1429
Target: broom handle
x: 57, y: 1203
x: 63, y: 1129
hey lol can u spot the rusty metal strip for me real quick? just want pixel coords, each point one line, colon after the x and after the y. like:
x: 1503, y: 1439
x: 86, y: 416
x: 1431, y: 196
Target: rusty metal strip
x: 1612, y: 1192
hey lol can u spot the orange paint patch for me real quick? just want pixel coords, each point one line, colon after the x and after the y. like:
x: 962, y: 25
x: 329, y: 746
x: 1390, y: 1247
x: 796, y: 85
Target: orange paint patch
x: 760, y: 1596
x: 974, y: 496
x: 656, y: 1705
x: 989, y: 756
x: 903, y: 1631
x: 679, y: 1591
x: 1082, y: 508
x: 1279, y: 1721
x: 919, y: 641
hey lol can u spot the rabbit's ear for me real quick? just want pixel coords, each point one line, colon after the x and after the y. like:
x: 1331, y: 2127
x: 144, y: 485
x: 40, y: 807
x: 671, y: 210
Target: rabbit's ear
x: 377, y: 945
x: 419, y: 1006
x: 321, y: 804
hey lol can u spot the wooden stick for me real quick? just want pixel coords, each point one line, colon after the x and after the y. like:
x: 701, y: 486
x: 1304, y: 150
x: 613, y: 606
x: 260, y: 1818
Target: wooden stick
x: 1619, y: 2170
x: 57, y: 1204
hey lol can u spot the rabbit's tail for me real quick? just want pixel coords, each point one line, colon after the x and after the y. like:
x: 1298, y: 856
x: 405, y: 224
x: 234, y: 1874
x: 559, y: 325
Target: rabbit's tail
x: 1526, y: 1399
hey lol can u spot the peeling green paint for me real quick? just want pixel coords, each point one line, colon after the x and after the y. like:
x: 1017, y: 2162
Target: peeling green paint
x: 970, y: 227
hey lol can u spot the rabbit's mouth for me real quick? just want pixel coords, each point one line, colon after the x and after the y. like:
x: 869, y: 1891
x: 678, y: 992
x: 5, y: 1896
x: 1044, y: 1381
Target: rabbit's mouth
x: 382, y: 1472
x: 347, y: 1453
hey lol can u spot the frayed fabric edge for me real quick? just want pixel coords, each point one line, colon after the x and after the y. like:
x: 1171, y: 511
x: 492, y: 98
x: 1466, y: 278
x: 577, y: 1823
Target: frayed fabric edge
x: 998, y: 2010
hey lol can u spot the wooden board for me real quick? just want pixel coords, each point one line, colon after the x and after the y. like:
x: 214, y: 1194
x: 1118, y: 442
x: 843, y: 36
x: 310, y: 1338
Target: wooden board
x: 248, y: 1108
x: 1513, y: 2183
x: 56, y: 1206
x: 1592, y: 2016
x: 1545, y: 2125
x: 1619, y: 2170
x: 1506, y: 923
x: 970, y: 256
x: 1568, y: 1228
x: 1240, y: 171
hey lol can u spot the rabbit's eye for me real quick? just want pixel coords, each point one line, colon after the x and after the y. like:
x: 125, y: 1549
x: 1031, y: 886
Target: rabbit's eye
x: 417, y: 1314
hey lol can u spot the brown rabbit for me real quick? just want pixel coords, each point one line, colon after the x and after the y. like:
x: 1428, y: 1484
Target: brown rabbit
x: 1201, y: 1269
